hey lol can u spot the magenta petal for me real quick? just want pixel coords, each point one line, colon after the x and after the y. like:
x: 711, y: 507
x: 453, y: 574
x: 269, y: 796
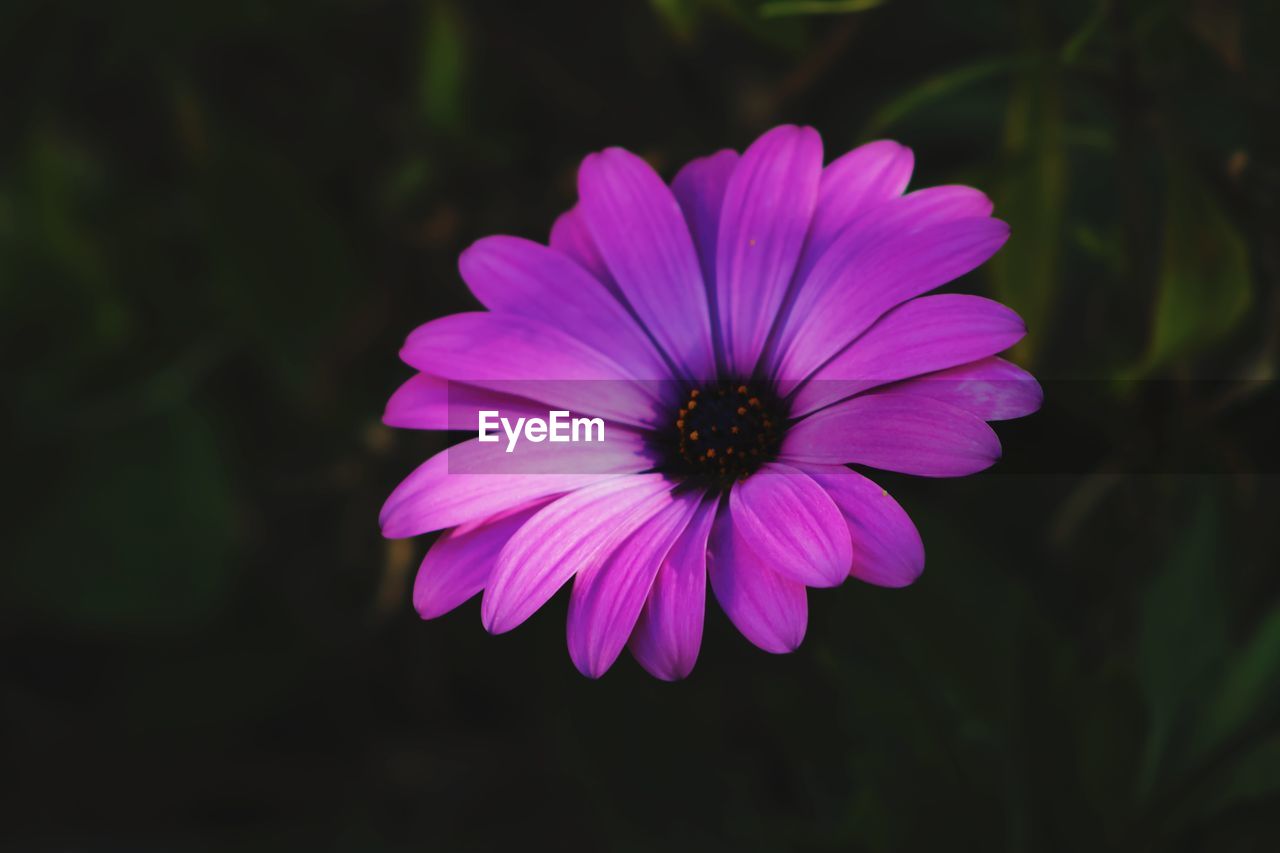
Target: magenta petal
x: 420, y: 403
x: 668, y: 633
x: 908, y: 433
x: 473, y: 480
x: 792, y: 525
x: 931, y: 206
x: 570, y: 237
x: 887, y: 550
x: 919, y: 336
x: 430, y: 402
x: 607, y: 597
x: 770, y: 610
x: 867, y: 272
x: 699, y: 188
x: 767, y: 209
x: 518, y: 276
x: 852, y: 184
x: 518, y: 355
x: 637, y: 225
x: 459, y: 562
x: 993, y: 389
x: 576, y: 533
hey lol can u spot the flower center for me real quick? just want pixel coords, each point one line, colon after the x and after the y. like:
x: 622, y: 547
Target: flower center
x: 723, y: 432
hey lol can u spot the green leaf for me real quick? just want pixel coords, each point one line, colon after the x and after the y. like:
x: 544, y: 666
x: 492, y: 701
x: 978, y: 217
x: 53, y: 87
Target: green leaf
x: 1032, y: 197
x: 787, y: 8
x: 1248, y: 689
x: 1074, y: 48
x: 444, y: 66
x: 1204, y: 288
x: 1183, y: 639
x: 935, y: 89
x: 1235, y: 714
x: 679, y: 16
x: 1254, y: 776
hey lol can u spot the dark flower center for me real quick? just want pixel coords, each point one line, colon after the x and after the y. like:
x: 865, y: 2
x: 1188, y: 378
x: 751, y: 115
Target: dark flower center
x: 722, y: 432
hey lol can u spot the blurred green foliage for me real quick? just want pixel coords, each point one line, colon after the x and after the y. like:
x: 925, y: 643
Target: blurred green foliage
x: 219, y: 219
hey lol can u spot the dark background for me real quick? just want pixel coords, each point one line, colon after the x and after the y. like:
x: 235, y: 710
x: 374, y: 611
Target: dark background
x: 218, y: 220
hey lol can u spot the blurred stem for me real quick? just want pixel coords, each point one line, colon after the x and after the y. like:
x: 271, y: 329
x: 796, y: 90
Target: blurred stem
x: 808, y: 73
x: 1076, y: 44
x: 1135, y: 267
x: 1032, y: 193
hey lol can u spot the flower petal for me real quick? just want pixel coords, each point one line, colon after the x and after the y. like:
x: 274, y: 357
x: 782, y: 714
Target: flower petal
x: 459, y: 562
x: 668, y: 633
x: 920, y: 336
x: 792, y: 525
x: 472, y: 480
x: 908, y: 433
x: 768, y: 205
x: 638, y: 227
x: 607, y: 597
x: 518, y: 355
x: 430, y: 402
x: 769, y: 609
x: 887, y: 550
x: 570, y: 237
x: 511, y: 274
x: 575, y: 533
x: 993, y: 389
x: 868, y: 271
x: 699, y: 187
x: 852, y: 184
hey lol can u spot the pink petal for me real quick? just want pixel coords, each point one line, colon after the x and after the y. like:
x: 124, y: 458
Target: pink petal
x: 430, y: 402
x: 921, y: 335
x: 887, y: 550
x: 868, y: 271
x: 641, y: 233
x: 852, y: 184
x: 607, y: 597
x: 459, y: 562
x: 909, y: 433
x: 769, y: 609
x: 699, y: 188
x: 518, y: 355
x: 993, y: 389
x: 472, y: 480
x: 767, y: 209
x: 792, y: 525
x: 518, y: 276
x: 668, y: 633
x: 570, y: 237
x: 576, y: 533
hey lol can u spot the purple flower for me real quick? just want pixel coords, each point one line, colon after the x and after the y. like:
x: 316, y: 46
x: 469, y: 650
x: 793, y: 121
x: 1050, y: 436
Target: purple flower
x: 749, y: 332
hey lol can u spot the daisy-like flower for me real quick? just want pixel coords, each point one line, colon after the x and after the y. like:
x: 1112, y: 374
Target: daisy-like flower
x: 748, y: 332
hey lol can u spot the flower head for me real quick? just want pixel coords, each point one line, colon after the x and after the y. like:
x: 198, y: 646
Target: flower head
x: 748, y: 332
